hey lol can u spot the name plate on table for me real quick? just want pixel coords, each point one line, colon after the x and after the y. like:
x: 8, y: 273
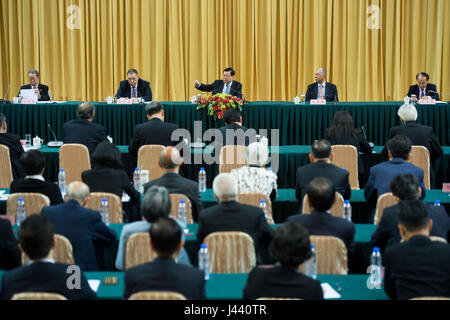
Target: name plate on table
x: 446, y: 187
x: 124, y: 101
x: 29, y: 101
x: 318, y: 101
x: 427, y: 101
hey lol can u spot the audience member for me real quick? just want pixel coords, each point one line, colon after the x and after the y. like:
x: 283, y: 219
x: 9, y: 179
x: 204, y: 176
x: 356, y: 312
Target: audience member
x: 15, y: 148
x: 9, y: 250
x: 234, y: 133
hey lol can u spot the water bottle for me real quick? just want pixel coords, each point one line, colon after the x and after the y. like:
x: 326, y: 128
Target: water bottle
x: 297, y: 100
x: 263, y: 206
x: 104, y: 211
x: 347, y: 211
x: 62, y: 181
x: 182, y: 214
x: 375, y: 268
x: 437, y: 203
x: 202, y: 180
x: 311, y: 264
x: 137, y: 180
x: 20, y: 211
x: 203, y: 260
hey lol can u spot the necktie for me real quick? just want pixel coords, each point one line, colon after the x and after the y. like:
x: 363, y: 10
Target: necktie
x: 133, y: 92
x: 321, y: 94
x: 227, y: 89
x: 422, y: 93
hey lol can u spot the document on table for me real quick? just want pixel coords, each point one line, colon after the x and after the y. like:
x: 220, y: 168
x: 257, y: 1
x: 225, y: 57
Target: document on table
x: 329, y: 292
x: 94, y: 284
x: 28, y: 94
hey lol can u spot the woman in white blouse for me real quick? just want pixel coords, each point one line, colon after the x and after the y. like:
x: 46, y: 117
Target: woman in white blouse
x: 254, y: 177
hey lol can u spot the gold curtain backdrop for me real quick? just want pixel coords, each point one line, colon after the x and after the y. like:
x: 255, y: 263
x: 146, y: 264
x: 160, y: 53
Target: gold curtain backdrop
x: 274, y: 45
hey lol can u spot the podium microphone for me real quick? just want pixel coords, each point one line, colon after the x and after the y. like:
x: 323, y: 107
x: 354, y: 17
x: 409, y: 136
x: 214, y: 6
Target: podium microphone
x: 240, y: 93
x: 6, y: 93
x: 55, y: 143
x: 441, y: 93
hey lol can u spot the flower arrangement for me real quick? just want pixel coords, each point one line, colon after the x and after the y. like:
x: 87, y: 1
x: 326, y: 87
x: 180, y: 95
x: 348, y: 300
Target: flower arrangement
x: 217, y: 104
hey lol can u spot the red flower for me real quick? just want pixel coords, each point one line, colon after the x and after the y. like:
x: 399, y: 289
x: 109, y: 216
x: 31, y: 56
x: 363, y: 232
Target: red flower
x: 226, y: 100
x: 219, y: 115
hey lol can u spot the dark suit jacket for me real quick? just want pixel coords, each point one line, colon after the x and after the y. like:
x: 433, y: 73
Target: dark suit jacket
x: 387, y: 230
x: 85, y: 132
x: 82, y: 227
x: 307, y: 173
x: 10, y: 256
x: 279, y: 282
x: 43, y: 90
x: 15, y: 151
x: 414, y: 89
x: 174, y: 183
x: 235, y: 216
x: 143, y: 90
x: 382, y: 174
x: 154, y: 131
x: 49, y: 189
x: 218, y: 85
x: 323, y: 223
x: 104, y: 179
x: 331, y: 93
x: 165, y: 275
x: 247, y: 135
x: 44, y: 277
x: 416, y: 268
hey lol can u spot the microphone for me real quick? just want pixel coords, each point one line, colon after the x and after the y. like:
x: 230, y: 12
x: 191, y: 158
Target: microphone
x: 240, y: 93
x: 441, y: 93
x: 55, y: 143
x: 364, y: 132
x: 6, y: 93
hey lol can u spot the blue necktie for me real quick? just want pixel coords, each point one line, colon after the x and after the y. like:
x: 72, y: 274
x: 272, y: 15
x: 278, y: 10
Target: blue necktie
x: 227, y: 89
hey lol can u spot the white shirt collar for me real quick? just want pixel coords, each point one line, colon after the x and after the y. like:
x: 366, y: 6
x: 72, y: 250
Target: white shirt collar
x: 48, y: 260
x: 323, y: 84
x: 36, y: 176
x: 224, y: 84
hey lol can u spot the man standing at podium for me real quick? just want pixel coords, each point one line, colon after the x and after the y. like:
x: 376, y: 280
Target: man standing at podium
x: 321, y: 89
x: 134, y: 87
x: 40, y: 89
x: 423, y: 89
x: 228, y: 85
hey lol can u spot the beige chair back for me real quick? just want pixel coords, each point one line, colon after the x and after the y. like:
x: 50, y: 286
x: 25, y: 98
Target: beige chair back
x: 232, y: 157
x: 137, y: 250
x: 114, y: 202
x: 331, y: 255
x: 440, y: 239
x: 34, y: 202
x: 148, y: 159
x: 384, y: 201
x: 157, y: 295
x: 254, y: 199
x: 6, y: 176
x: 430, y: 298
x: 420, y: 157
x: 175, y: 201
x: 346, y: 156
x: 74, y: 159
x: 231, y: 252
x: 38, y: 296
x: 336, y: 209
x: 61, y: 253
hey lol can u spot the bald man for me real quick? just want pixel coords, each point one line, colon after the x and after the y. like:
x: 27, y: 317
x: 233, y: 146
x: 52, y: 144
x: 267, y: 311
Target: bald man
x: 83, y: 130
x: 321, y: 89
x: 170, y: 161
x: 83, y: 227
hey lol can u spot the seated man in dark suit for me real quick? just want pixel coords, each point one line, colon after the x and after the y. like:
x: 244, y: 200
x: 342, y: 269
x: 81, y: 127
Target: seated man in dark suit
x: 234, y: 133
x: 155, y: 131
x: 33, y: 162
x: 230, y: 215
x: 84, y: 130
x: 321, y: 195
x: 15, y: 148
x: 163, y: 273
x: 83, y: 227
x: 382, y: 174
x: 290, y: 246
x: 42, y: 274
x: 321, y: 89
x: 423, y: 89
x: 406, y: 187
x: 417, y: 267
x: 170, y: 161
x: 321, y: 166
x: 10, y: 256
x: 228, y: 85
x: 41, y: 90
x: 134, y: 87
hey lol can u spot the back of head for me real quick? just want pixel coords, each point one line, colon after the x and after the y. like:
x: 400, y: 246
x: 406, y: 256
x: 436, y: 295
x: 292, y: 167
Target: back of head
x: 225, y: 187
x: 77, y: 191
x: 257, y: 154
x: 85, y: 110
x: 232, y: 115
x: 413, y: 215
x: 155, y: 204
x: 321, y: 149
x: 33, y: 162
x: 108, y: 155
x: 407, y: 112
x: 321, y: 194
x: 36, y: 236
x: 153, y: 108
x: 170, y: 158
x: 165, y: 236
x: 342, y: 126
x: 290, y: 245
x: 405, y: 186
x: 399, y: 146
